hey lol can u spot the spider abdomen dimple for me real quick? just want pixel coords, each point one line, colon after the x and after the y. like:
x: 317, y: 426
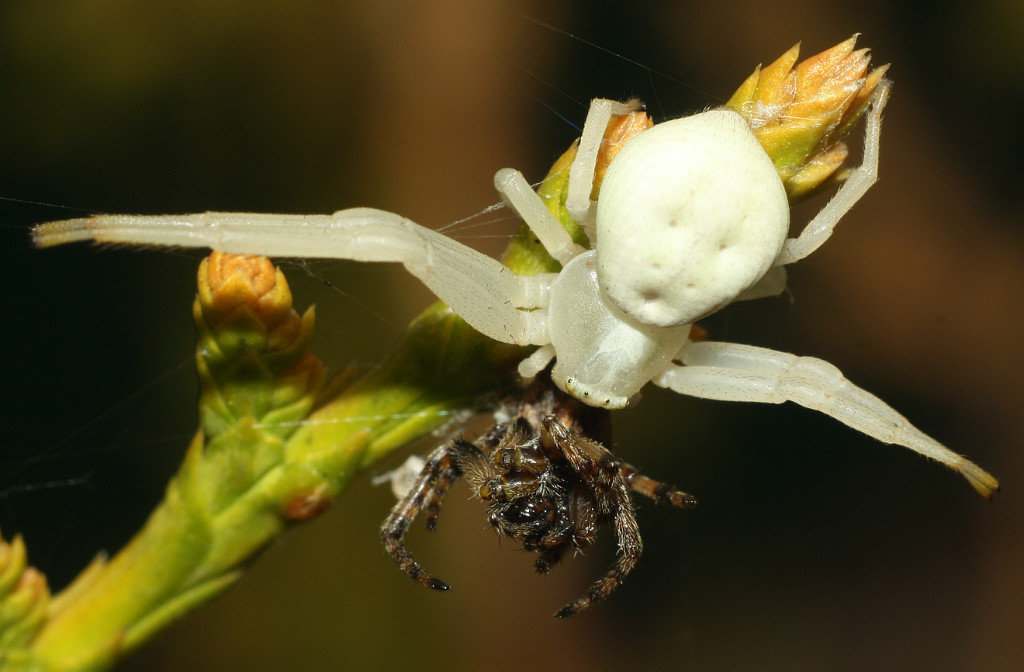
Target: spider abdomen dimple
x: 691, y: 213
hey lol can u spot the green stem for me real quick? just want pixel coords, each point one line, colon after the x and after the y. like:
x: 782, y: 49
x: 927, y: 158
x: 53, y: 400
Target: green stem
x: 262, y: 460
x: 186, y: 554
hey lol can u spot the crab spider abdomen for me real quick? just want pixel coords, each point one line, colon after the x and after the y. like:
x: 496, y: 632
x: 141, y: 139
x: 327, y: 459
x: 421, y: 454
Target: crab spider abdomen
x: 691, y: 212
x: 603, y: 355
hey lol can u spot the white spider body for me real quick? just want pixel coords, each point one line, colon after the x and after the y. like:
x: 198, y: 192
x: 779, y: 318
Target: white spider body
x: 616, y: 317
x: 691, y: 213
x: 603, y: 356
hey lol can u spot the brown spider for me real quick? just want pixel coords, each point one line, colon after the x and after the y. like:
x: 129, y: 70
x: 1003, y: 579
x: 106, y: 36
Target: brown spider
x: 546, y: 484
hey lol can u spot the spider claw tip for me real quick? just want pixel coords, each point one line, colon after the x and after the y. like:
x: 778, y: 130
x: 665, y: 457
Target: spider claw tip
x: 438, y: 584
x: 566, y: 611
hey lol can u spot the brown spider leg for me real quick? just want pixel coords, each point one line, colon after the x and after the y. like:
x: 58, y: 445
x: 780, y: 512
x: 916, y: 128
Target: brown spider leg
x: 631, y: 546
x: 603, y: 473
x: 656, y: 490
x: 401, y: 517
x: 448, y: 471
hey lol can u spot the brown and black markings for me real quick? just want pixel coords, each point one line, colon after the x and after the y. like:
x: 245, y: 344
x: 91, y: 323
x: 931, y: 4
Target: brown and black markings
x: 549, y: 484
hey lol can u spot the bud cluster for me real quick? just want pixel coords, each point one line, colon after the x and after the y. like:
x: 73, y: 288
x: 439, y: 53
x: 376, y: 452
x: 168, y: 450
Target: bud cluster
x: 800, y: 112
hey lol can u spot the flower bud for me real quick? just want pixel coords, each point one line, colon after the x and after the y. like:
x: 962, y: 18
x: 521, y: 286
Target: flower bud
x: 621, y: 129
x: 253, y: 354
x: 800, y: 112
x: 24, y: 597
x: 235, y: 288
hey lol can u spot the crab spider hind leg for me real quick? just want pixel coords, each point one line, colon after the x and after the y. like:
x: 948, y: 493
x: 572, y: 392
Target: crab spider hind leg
x: 856, y: 185
x: 733, y: 372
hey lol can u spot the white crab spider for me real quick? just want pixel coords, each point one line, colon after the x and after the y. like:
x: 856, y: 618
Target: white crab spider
x: 691, y: 216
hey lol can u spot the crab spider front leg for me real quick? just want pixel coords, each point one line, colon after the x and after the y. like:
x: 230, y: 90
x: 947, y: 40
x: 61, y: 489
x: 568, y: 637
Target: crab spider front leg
x: 733, y: 372
x: 491, y: 298
x: 518, y: 193
x: 856, y: 185
x: 581, y: 173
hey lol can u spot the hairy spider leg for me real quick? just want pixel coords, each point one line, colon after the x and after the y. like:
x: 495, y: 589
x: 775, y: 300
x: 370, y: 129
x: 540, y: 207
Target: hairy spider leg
x: 601, y: 471
x: 447, y: 473
x: 656, y: 490
x: 734, y: 372
x: 491, y: 298
x: 856, y: 185
x: 454, y: 465
x: 581, y: 172
x: 630, y: 549
x: 441, y: 462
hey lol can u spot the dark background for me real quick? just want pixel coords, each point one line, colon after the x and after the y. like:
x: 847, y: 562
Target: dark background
x: 813, y: 548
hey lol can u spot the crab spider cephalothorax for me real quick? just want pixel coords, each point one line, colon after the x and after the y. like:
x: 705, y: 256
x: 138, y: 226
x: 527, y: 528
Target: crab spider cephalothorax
x: 691, y: 216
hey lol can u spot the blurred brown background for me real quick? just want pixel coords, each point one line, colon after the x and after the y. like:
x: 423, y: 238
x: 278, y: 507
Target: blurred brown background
x: 813, y: 548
